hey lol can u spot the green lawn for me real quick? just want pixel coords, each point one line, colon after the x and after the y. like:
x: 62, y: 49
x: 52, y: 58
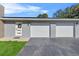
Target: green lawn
x: 10, y: 48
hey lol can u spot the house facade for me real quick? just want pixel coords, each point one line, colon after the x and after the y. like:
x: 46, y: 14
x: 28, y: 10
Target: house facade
x: 39, y: 28
x: 12, y: 27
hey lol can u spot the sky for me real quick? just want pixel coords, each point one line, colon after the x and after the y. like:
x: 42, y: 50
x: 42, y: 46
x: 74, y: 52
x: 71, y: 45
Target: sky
x: 32, y: 9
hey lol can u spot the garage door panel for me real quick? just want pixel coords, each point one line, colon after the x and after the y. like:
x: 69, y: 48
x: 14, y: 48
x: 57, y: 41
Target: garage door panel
x: 39, y: 31
x: 64, y: 31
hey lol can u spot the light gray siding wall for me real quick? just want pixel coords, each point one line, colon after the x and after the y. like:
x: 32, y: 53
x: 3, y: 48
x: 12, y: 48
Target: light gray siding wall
x: 52, y: 30
x: 77, y: 30
x: 40, y: 23
x: 64, y: 23
x: 26, y: 30
x: 9, y: 29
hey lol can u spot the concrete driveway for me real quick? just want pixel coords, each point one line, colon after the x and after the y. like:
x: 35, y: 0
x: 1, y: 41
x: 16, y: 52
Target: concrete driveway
x: 51, y: 47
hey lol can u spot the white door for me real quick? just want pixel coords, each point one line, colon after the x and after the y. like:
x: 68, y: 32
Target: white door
x: 18, y: 29
x: 39, y: 31
x: 64, y: 31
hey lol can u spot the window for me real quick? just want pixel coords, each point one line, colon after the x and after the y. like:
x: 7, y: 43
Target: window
x: 19, y: 25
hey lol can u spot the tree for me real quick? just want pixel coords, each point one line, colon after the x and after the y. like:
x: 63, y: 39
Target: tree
x: 39, y: 16
x: 60, y: 13
x: 45, y: 15
x: 69, y: 12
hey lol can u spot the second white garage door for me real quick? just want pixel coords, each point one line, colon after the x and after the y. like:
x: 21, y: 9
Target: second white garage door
x: 64, y: 31
x: 39, y: 31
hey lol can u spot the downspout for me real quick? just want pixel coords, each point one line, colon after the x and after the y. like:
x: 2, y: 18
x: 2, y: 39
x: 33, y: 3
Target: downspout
x: 50, y: 31
x: 74, y: 30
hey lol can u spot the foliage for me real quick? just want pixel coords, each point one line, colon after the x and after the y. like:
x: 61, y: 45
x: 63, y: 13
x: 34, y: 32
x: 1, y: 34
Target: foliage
x: 45, y: 15
x: 69, y: 12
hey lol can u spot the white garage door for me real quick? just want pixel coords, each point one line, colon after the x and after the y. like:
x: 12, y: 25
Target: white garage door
x: 39, y: 31
x: 64, y: 31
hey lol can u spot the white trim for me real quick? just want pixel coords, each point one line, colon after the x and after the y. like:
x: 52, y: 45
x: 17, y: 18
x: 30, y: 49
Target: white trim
x: 18, y: 31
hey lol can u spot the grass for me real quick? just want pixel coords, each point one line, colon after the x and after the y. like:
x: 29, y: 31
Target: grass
x: 10, y: 48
